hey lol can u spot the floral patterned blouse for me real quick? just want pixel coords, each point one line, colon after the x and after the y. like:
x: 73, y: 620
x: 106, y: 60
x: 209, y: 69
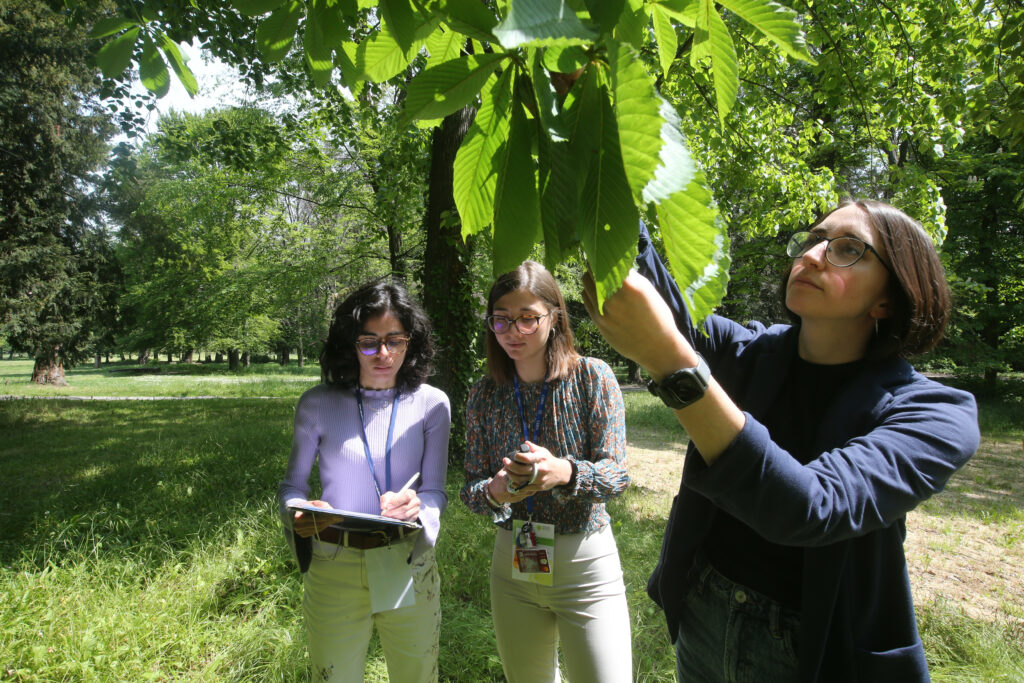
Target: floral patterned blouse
x: 583, y: 421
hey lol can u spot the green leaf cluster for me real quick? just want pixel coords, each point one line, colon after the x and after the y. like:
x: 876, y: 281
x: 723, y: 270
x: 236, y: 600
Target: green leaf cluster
x: 141, y: 39
x: 572, y: 144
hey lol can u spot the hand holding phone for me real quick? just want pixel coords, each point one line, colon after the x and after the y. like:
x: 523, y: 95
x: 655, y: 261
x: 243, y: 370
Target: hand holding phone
x: 522, y: 472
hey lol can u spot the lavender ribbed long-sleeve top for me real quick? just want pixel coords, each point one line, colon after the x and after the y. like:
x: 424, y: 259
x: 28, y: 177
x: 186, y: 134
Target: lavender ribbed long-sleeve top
x: 327, y: 432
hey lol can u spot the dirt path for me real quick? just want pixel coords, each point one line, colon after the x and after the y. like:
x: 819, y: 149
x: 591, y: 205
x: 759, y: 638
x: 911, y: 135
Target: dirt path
x: 965, y: 546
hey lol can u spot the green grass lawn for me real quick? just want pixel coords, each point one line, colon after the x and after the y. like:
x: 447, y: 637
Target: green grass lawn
x: 139, y: 541
x: 164, y: 379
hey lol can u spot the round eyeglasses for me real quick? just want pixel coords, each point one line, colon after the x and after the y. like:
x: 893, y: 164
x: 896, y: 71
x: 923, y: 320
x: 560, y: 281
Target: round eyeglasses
x: 841, y: 252
x: 528, y: 323
x: 370, y: 346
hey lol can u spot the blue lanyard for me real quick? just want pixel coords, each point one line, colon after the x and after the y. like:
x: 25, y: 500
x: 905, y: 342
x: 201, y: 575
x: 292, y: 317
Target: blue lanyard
x: 387, y: 448
x: 522, y: 414
x: 536, y: 422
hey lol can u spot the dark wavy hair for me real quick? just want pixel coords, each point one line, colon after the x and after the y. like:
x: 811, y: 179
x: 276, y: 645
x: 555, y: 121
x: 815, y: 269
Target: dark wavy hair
x: 560, y: 353
x: 919, y: 294
x: 339, y: 361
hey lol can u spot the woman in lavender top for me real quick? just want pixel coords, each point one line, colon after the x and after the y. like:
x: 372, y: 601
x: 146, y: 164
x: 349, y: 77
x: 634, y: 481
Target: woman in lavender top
x: 370, y: 426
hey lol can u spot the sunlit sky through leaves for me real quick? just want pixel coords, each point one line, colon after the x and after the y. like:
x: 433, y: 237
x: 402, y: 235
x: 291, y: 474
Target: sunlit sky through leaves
x: 219, y: 85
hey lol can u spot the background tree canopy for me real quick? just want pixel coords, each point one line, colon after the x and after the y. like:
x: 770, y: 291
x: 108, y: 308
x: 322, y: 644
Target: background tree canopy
x: 571, y: 143
x: 425, y: 139
x: 53, y: 142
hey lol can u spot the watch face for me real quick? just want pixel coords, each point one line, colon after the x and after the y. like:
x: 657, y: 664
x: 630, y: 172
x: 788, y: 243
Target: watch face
x: 683, y: 387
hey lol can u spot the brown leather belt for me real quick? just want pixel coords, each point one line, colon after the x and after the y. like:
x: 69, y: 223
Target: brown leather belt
x: 362, y: 540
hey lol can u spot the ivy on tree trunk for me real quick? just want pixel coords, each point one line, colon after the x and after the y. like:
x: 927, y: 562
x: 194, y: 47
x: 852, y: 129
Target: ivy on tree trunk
x: 447, y: 286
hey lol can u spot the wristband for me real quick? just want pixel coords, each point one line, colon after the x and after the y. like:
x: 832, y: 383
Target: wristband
x: 571, y: 484
x: 489, y: 498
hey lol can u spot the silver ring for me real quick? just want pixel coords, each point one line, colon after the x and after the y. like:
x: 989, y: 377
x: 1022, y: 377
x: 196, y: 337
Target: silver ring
x: 510, y: 487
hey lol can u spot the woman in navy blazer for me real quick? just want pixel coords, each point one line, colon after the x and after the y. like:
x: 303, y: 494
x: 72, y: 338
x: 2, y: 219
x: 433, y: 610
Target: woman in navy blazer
x: 783, y: 554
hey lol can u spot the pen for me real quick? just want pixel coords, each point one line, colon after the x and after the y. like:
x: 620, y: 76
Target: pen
x: 409, y: 483
x: 404, y: 487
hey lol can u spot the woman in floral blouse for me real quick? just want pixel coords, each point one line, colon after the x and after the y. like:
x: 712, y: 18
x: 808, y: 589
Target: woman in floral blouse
x: 546, y: 447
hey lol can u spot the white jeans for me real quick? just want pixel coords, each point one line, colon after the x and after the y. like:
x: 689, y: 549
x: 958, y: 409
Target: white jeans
x: 585, y: 611
x: 336, y: 605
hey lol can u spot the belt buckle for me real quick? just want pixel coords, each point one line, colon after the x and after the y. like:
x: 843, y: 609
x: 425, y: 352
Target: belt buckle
x: 385, y: 538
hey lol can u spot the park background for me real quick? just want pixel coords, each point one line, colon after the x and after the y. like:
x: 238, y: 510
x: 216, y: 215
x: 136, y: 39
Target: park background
x: 166, y: 279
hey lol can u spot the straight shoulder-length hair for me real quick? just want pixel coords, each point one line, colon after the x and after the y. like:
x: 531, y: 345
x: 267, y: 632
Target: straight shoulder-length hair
x: 918, y: 291
x: 560, y: 353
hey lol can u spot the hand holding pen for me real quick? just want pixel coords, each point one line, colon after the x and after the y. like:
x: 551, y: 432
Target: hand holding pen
x: 403, y: 505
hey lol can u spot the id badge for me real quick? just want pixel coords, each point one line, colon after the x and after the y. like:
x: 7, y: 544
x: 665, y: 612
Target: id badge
x: 533, y: 557
x: 390, y: 577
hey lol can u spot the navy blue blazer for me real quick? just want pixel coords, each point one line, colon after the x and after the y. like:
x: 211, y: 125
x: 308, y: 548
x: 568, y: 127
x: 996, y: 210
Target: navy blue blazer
x: 892, y: 439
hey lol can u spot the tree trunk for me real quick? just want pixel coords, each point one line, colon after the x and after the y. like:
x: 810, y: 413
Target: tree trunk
x: 991, y: 383
x: 96, y: 362
x: 632, y: 372
x: 48, y: 369
x: 447, y: 287
x: 395, y: 252
x: 143, y: 356
x: 301, y: 349
x: 187, y: 356
x: 219, y: 358
x: 991, y: 318
x: 232, y: 359
x: 246, y: 359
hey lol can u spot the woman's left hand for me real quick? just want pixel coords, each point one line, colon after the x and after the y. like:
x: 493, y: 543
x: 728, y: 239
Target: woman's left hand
x: 552, y: 471
x: 404, y: 505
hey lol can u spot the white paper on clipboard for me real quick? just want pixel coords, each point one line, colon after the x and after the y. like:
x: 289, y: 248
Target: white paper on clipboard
x: 354, y: 520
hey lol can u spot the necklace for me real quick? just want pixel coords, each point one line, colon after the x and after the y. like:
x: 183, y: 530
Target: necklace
x: 376, y: 404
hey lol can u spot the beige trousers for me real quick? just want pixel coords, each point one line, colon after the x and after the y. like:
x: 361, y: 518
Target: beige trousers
x: 336, y: 605
x: 584, y: 612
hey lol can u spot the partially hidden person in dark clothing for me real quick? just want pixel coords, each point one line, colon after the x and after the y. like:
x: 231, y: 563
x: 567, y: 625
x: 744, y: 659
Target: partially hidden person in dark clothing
x: 783, y: 555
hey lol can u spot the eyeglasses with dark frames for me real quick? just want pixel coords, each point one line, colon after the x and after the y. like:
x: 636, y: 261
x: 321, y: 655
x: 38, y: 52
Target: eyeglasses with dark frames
x: 841, y: 252
x: 370, y: 346
x: 528, y: 323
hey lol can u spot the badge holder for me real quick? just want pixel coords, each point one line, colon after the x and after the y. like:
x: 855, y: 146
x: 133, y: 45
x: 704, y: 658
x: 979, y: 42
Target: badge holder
x: 389, y: 574
x: 533, y: 558
x: 388, y: 570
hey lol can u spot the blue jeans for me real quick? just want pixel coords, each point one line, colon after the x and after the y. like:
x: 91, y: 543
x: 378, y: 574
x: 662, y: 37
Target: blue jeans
x: 730, y: 633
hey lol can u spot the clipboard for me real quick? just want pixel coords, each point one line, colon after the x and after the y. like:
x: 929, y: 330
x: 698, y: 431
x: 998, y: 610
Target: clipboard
x: 356, y: 521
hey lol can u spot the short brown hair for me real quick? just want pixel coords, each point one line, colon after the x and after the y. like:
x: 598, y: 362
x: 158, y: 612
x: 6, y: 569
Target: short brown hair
x: 561, y: 355
x: 918, y: 291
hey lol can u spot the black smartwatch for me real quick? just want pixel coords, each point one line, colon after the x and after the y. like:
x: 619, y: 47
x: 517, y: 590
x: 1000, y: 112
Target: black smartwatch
x: 683, y: 387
